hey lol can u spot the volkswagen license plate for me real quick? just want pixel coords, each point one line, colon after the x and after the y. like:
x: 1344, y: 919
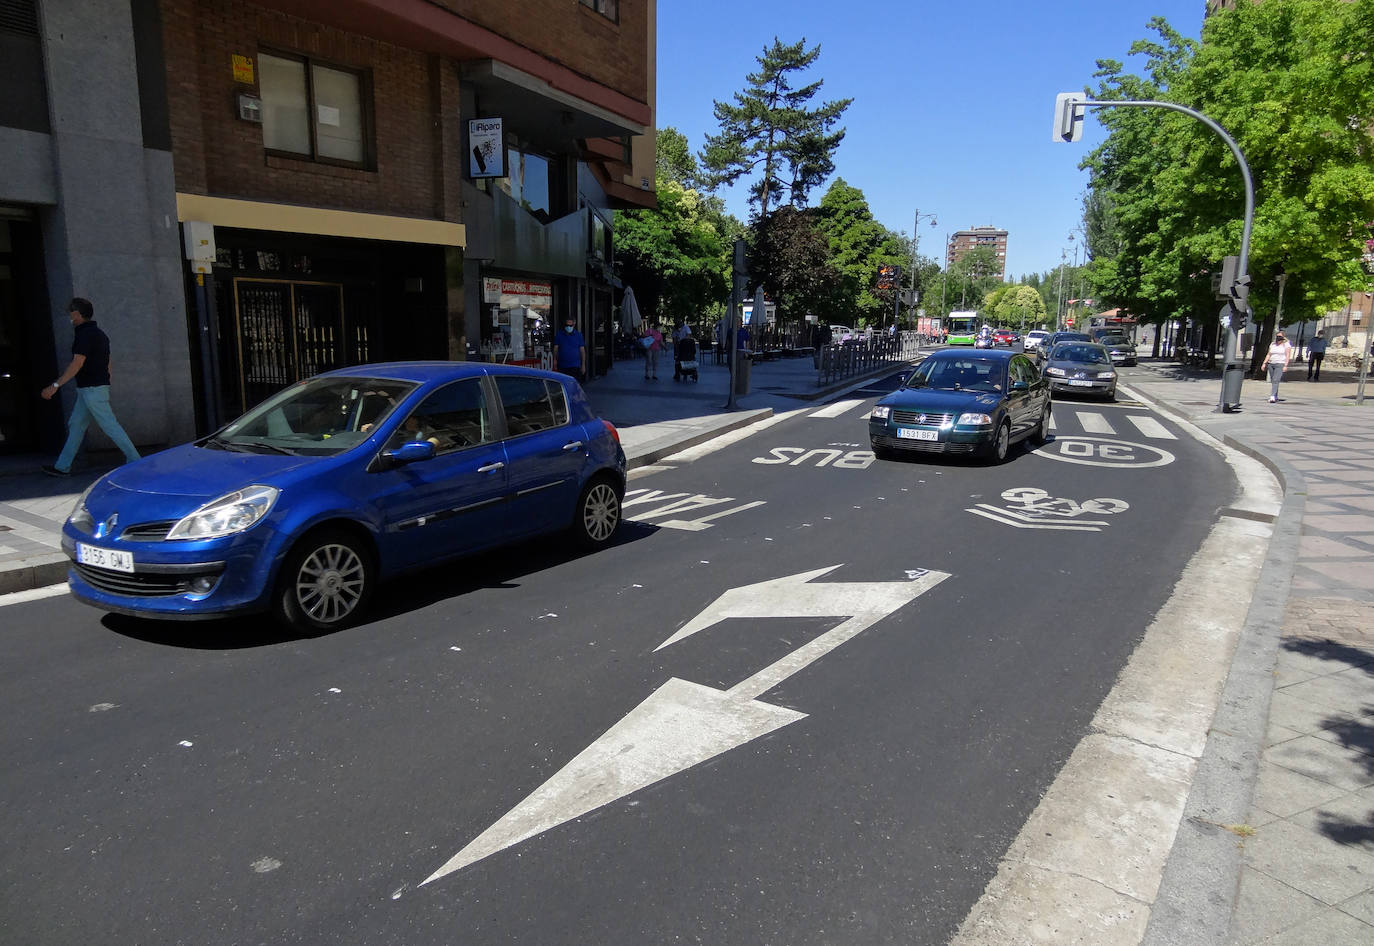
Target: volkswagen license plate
x: 104, y: 558
x: 908, y: 433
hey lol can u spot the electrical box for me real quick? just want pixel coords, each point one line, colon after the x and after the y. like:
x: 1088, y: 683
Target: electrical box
x: 198, y: 238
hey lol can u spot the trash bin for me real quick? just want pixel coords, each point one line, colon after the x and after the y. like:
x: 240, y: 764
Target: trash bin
x: 744, y: 366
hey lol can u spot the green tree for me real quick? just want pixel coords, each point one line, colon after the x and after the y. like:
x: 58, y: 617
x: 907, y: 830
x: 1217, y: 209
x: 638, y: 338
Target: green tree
x: 771, y: 131
x: 675, y: 257
x: 858, y: 245
x: 1293, y: 83
x: 795, y: 254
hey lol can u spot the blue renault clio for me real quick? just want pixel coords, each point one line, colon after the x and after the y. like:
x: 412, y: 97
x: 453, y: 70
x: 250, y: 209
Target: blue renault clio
x: 303, y: 504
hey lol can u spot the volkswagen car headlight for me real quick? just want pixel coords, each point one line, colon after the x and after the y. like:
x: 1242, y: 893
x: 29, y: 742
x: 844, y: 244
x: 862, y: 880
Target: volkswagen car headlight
x: 973, y: 420
x: 230, y: 513
x: 881, y: 412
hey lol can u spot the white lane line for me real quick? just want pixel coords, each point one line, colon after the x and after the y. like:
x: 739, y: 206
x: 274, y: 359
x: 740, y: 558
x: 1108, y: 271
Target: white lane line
x: 1150, y: 427
x: 838, y: 408
x: 1094, y: 423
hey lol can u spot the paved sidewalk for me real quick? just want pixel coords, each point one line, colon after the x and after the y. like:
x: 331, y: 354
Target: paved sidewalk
x: 1276, y: 845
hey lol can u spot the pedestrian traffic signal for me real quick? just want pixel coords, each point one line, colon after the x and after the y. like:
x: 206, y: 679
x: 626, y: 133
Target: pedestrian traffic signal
x: 889, y: 276
x: 1238, y: 302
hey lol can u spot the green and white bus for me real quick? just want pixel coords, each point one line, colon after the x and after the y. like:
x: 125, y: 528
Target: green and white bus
x: 963, y: 327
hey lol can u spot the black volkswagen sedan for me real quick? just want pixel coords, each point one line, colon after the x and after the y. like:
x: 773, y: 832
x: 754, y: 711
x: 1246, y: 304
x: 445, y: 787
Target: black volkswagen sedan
x: 961, y: 401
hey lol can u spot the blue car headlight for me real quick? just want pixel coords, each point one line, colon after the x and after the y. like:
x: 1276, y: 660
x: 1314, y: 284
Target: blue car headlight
x: 881, y: 412
x: 81, y: 517
x: 231, y: 513
x: 973, y: 420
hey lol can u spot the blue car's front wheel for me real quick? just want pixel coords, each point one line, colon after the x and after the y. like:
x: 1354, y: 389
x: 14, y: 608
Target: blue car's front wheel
x: 325, y: 582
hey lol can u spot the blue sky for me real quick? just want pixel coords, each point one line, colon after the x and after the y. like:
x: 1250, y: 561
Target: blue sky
x: 953, y: 102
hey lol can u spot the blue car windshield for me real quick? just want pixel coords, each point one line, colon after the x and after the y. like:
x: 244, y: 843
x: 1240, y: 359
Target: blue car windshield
x: 957, y: 374
x: 317, y: 417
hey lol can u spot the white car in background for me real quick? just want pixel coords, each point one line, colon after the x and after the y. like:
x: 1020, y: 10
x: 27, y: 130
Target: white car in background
x: 1033, y: 339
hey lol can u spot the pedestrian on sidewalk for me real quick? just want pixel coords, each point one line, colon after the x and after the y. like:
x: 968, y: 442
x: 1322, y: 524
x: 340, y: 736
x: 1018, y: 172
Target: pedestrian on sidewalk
x: 1275, y: 362
x: 655, y: 345
x: 1316, y: 351
x: 571, y: 350
x: 90, y: 366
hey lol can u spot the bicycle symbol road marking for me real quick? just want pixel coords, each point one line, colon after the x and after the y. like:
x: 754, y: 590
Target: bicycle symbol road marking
x: 1032, y: 508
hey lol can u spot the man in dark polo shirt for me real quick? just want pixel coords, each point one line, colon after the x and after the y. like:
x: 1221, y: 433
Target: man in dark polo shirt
x: 90, y: 366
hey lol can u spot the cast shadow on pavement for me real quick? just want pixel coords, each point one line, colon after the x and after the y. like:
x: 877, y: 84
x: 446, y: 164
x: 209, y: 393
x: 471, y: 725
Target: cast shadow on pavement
x: 1353, y: 731
x: 499, y: 569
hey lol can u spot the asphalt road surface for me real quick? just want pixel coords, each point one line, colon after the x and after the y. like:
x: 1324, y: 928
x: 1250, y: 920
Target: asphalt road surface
x: 808, y: 697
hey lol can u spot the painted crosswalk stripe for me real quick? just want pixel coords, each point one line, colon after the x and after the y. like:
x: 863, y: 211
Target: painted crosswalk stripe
x: 1094, y: 423
x: 838, y: 408
x: 1151, y: 427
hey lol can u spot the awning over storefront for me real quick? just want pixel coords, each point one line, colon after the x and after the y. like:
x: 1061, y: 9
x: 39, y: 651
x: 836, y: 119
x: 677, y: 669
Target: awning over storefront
x: 294, y: 218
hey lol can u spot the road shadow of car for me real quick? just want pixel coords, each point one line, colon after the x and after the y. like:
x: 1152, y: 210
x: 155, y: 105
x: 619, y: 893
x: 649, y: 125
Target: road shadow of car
x: 413, y: 591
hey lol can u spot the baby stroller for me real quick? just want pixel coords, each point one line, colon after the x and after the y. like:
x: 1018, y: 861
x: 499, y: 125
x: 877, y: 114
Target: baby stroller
x: 685, y: 359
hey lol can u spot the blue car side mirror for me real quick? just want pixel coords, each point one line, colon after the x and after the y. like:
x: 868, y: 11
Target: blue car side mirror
x: 1020, y: 386
x: 410, y: 453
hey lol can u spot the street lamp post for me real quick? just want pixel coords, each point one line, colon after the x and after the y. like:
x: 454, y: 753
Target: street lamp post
x: 915, y: 255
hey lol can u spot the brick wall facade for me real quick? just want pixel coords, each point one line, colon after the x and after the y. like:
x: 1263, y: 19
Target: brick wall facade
x: 218, y: 154
x: 613, y: 53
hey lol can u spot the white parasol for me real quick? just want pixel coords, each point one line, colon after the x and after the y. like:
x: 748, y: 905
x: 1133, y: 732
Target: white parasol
x: 760, y: 314
x: 629, y: 311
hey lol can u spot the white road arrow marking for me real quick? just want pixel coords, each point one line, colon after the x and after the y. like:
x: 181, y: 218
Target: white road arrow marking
x: 682, y: 724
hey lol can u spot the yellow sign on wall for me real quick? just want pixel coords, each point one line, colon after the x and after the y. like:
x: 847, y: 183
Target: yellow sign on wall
x: 243, y: 69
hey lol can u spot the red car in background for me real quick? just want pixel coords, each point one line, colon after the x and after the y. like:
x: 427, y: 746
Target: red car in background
x: 1005, y: 336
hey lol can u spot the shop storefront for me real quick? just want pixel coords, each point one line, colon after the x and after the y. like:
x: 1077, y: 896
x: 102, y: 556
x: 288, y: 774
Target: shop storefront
x: 289, y: 306
x: 518, y: 316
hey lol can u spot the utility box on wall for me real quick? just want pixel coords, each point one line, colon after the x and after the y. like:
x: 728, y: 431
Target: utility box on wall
x: 199, y: 240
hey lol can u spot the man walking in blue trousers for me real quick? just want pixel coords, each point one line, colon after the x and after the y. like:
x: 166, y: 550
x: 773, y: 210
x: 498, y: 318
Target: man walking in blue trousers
x: 90, y: 366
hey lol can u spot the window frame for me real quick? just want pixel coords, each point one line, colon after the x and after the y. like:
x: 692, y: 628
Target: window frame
x: 600, y: 7
x: 365, y: 108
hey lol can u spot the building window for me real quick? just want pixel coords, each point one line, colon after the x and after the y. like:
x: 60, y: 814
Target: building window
x: 313, y: 111
x: 610, y: 9
x: 528, y: 182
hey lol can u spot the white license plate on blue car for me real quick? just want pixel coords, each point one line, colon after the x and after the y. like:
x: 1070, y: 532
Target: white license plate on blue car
x: 104, y: 558
x: 910, y: 433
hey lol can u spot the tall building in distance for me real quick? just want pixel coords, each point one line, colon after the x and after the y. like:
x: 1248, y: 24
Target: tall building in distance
x: 963, y: 241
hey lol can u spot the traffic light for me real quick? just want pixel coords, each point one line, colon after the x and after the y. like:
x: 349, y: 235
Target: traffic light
x: 1068, y: 117
x: 889, y: 276
x: 1238, y: 301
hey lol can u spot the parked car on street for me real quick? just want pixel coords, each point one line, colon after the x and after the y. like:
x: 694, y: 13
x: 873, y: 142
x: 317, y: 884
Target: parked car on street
x: 960, y: 401
x: 304, y: 503
x: 1081, y: 367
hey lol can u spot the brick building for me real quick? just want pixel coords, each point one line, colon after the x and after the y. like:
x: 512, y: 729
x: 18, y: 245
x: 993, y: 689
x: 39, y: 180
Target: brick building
x: 286, y: 186
x: 961, y: 242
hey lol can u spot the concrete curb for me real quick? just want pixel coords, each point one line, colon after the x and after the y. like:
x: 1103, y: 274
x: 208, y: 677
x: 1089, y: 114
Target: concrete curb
x: 35, y: 573
x: 1201, y: 881
x: 660, y: 447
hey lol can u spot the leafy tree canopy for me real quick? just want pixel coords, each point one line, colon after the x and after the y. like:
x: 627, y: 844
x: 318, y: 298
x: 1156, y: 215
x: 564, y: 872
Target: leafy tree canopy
x: 770, y: 131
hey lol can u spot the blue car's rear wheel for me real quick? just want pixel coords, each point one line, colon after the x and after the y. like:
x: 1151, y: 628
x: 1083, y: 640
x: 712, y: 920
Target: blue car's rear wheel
x: 597, y: 515
x: 325, y: 582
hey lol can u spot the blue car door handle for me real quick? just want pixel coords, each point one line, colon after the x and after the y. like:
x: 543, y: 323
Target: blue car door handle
x: 575, y: 445
x: 490, y: 467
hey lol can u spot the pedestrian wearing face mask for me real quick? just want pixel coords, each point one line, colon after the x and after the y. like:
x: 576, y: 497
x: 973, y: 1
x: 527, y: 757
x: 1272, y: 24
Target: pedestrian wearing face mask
x: 571, y: 350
